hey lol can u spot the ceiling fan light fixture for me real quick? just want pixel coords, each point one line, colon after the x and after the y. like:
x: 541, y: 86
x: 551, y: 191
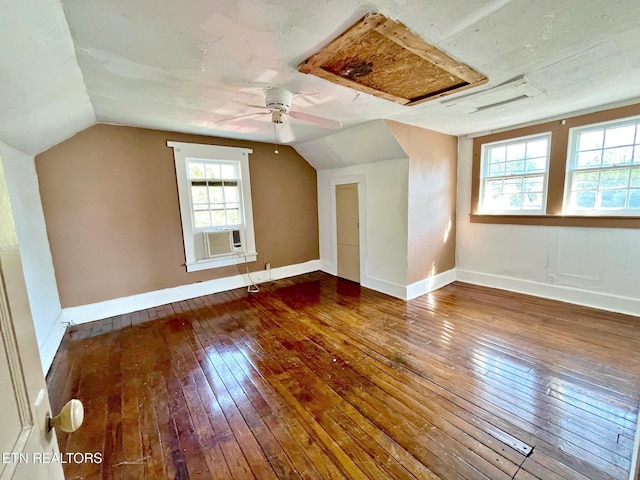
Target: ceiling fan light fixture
x: 277, y: 117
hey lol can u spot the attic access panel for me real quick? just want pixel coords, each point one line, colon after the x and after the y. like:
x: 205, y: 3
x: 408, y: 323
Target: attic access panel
x: 382, y: 57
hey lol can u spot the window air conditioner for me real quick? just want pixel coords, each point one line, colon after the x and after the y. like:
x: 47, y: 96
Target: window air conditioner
x: 222, y: 242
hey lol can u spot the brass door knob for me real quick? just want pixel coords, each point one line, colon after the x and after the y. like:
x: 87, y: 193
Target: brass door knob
x: 70, y: 417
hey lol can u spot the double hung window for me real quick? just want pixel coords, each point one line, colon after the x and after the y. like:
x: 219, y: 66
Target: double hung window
x: 603, y: 169
x: 215, y: 204
x: 514, y: 175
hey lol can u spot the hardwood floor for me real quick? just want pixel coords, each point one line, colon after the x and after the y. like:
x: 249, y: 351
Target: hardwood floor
x: 315, y: 377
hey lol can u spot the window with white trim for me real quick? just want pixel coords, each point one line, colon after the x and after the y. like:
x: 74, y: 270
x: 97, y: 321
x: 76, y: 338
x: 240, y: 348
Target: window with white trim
x: 215, y: 204
x: 603, y: 169
x: 514, y: 175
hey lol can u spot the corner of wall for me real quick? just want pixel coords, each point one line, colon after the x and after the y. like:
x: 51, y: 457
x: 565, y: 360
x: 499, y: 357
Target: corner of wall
x: 49, y: 347
x: 429, y: 284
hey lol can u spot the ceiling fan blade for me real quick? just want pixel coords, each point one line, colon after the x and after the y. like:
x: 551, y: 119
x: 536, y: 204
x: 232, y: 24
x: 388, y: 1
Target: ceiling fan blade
x: 240, y: 117
x: 321, y: 122
x: 285, y: 133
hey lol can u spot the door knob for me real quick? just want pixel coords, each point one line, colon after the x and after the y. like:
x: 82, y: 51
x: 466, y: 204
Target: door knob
x: 70, y: 417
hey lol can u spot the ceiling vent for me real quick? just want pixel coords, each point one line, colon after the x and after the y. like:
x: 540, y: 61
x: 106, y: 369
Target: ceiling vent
x: 509, y: 92
x: 384, y: 58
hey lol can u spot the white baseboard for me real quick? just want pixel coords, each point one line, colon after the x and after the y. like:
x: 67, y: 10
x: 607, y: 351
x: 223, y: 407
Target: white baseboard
x: 587, y: 298
x: 384, y: 286
x: 430, y: 284
x: 328, y: 267
x: 51, y: 343
x: 377, y: 284
x: 134, y: 303
x: 403, y: 292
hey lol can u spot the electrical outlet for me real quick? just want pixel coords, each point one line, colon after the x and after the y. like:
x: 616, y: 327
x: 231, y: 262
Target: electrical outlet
x: 267, y: 266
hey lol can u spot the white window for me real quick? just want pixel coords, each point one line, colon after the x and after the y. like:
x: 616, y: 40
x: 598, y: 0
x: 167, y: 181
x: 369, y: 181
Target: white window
x: 215, y: 204
x: 514, y: 175
x: 603, y: 169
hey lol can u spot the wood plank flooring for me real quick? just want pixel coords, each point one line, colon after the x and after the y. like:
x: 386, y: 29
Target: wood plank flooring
x: 315, y: 377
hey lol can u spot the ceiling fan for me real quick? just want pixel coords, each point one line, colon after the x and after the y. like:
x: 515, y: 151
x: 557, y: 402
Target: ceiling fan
x: 277, y: 103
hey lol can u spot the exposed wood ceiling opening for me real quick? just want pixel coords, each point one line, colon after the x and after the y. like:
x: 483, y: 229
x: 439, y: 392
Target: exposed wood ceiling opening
x: 382, y: 57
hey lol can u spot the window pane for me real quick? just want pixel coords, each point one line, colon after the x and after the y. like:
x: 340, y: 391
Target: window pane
x: 216, y: 194
x: 590, y: 140
x: 228, y: 171
x: 201, y: 218
x: 533, y: 184
x: 617, y: 136
x: 513, y: 168
x: 231, y: 194
x: 196, y: 170
x: 585, y: 180
x: 493, y: 202
x: 583, y: 199
x: 617, y: 156
x: 537, y: 148
x: 516, y: 151
x: 634, y: 198
x: 635, y: 177
x: 493, y: 186
x: 614, y: 178
x: 218, y: 218
x: 496, y: 169
x: 515, y: 201
x: 589, y: 159
x: 497, y: 154
x: 213, y: 170
x: 536, y: 164
x: 199, y: 194
x: 532, y: 201
x: 613, y: 198
x: 233, y: 217
x: 513, y: 185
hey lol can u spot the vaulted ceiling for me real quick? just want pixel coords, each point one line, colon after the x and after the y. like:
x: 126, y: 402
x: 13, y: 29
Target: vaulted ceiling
x: 187, y: 66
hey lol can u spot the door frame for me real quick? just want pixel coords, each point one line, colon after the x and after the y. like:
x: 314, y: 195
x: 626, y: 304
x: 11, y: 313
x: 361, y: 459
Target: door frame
x: 361, y: 181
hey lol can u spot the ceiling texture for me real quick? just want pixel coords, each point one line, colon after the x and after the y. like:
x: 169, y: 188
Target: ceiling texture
x: 191, y: 66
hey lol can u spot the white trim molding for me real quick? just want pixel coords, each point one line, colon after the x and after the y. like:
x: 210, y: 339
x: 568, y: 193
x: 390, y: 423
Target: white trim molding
x: 429, y: 284
x: 587, y: 298
x: 384, y: 286
x: 361, y: 181
x: 182, y: 152
x: 51, y: 343
x: 403, y: 292
x: 134, y: 303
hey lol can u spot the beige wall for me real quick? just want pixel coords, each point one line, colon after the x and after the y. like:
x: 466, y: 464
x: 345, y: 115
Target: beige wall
x: 433, y: 161
x: 110, y: 201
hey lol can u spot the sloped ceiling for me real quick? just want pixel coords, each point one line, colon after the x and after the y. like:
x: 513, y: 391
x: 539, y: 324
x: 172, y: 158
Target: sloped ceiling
x: 43, y: 99
x: 186, y: 66
x: 364, y: 143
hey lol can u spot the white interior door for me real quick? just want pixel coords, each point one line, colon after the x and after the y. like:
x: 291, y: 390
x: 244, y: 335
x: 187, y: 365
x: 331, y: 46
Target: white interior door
x: 27, y: 450
x: 348, y: 231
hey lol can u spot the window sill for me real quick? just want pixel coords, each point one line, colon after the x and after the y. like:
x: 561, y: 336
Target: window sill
x: 218, y: 262
x: 558, y: 220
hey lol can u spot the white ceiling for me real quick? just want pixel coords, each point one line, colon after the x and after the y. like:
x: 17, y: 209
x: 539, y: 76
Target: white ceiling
x: 184, y: 66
